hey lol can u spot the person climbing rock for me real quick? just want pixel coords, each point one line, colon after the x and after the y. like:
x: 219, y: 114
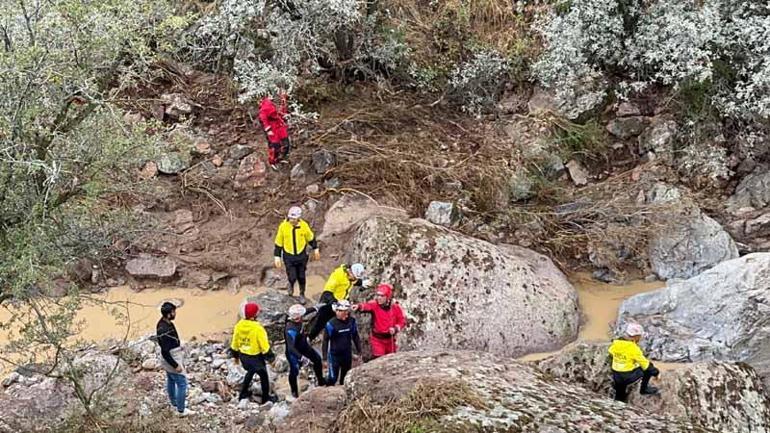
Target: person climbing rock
x: 387, y: 320
x: 629, y: 364
x: 292, y: 240
x: 340, y: 334
x: 297, y: 346
x: 337, y: 288
x: 250, y: 347
x: 272, y: 120
x: 172, y: 358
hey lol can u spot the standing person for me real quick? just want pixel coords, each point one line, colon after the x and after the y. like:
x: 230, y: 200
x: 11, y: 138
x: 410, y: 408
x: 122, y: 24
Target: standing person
x: 297, y: 346
x: 272, y: 120
x: 172, y: 358
x: 387, y: 320
x: 629, y: 364
x: 291, y: 244
x: 337, y: 288
x: 340, y: 334
x: 249, y: 345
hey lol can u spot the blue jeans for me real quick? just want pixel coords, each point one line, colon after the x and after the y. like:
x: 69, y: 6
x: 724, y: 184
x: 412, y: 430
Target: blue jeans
x: 176, y: 385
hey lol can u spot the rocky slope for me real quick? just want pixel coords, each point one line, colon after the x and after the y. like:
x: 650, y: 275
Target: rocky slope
x: 721, y: 314
x: 722, y: 396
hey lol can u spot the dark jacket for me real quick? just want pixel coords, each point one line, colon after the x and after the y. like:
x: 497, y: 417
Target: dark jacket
x: 340, y: 336
x: 168, y: 339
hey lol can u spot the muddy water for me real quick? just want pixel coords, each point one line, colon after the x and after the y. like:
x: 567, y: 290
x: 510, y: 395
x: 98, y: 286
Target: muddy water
x: 599, y: 303
x: 203, y: 314
x: 207, y: 314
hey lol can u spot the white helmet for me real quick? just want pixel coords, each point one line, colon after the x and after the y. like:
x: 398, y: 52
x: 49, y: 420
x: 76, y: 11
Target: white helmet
x: 343, y: 305
x: 634, y: 329
x: 296, y: 311
x: 357, y: 269
x: 295, y: 212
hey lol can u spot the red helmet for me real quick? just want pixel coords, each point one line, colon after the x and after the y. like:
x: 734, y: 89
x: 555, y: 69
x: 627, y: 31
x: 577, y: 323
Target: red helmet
x: 385, y: 289
x: 250, y: 310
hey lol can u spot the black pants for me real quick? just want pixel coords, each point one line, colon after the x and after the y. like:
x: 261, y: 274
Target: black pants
x: 325, y: 313
x: 295, y: 271
x: 621, y: 381
x: 309, y: 353
x: 339, y: 365
x: 254, y: 365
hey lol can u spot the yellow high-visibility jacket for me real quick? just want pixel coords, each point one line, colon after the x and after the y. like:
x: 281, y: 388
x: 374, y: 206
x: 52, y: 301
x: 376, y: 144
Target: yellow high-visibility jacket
x: 627, y: 356
x: 293, y: 240
x: 250, y: 338
x: 339, y: 284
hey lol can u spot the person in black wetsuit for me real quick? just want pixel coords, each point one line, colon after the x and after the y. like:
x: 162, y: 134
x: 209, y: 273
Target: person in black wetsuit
x: 340, y: 334
x: 297, y: 346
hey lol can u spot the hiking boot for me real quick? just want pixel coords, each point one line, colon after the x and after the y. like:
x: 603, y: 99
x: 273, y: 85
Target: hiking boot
x: 270, y: 399
x: 243, y: 404
x: 187, y: 412
x: 301, y: 299
x: 650, y: 390
x: 274, y: 167
x: 290, y: 291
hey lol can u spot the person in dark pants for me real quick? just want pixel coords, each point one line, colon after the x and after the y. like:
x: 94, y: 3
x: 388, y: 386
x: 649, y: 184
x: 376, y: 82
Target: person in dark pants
x: 340, y: 334
x: 297, y: 346
x: 249, y: 345
x: 292, y: 240
x: 629, y: 364
x: 337, y: 288
x: 172, y: 358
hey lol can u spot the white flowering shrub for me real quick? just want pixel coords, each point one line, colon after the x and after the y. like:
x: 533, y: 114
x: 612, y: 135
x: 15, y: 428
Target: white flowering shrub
x: 596, y: 46
x: 477, y: 83
x: 268, y: 44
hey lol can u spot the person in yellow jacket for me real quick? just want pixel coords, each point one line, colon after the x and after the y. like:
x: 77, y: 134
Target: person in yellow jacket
x: 292, y: 241
x: 249, y: 345
x: 337, y: 288
x: 629, y: 364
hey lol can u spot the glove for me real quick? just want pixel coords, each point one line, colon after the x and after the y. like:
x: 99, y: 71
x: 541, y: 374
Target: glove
x: 367, y: 283
x: 317, y: 254
x: 269, y: 133
x: 278, y: 263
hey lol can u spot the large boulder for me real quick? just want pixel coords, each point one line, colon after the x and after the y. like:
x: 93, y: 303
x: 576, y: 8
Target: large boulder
x: 726, y: 397
x: 461, y: 292
x: 753, y: 191
x: 348, y: 212
x: 147, y: 266
x: 688, y: 241
x: 453, y: 391
x: 274, y: 305
x: 721, y: 314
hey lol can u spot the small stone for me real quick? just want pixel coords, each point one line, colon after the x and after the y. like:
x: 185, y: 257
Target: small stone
x: 521, y: 187
x: 217, y: 161
x: 240, y: 151
x: 333, y: 183
x: 209, y: 386
x: 151, y: 364
x: 577, y: 172
x: 297, y: 172
x: 149, y: 170
x: 442, y: 213
x: 202, y: 147
x: 10, y: 379
x: 627, y: 127
x: 133, y: 118
x: 312, y: 189
x: 215, y: 364
x: 177, y: 105
x: 172, y: 163
x: 323, y: 160
x: 147, y: 266
x: 626, y: 109
x: 252, y: 172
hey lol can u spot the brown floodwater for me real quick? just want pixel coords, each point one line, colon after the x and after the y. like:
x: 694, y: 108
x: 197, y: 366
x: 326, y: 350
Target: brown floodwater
x: 211, y: 314
x: 599, y: 303
x: 202, y: 314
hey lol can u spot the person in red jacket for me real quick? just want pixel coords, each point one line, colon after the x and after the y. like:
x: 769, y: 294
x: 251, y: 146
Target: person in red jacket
x: 272, y: 120
x: 387, y: 320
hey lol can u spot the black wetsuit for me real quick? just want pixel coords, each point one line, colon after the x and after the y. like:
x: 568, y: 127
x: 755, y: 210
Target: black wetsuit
x: 297, y: 346
x: 339, y: 337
